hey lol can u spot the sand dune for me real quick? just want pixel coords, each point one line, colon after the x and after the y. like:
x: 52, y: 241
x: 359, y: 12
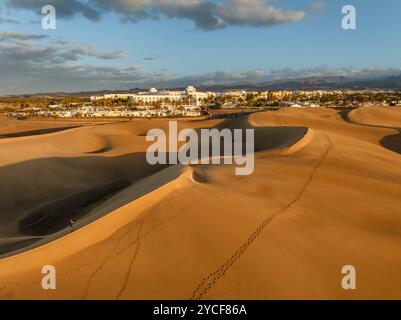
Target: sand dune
x: 378, y: 116
x: 389, y: 118
x: 325, y: 193
x: 74, y: 187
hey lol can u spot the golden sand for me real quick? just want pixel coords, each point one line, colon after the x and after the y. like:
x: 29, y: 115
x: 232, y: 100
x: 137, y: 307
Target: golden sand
x: 330, y: 199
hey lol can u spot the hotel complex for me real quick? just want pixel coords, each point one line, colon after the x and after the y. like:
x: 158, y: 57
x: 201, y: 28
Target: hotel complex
x: 153, y: 95
x: 190, y: 102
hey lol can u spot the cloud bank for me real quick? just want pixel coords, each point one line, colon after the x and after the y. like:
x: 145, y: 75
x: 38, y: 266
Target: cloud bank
x: 37, y: 63
x: 206, y: 15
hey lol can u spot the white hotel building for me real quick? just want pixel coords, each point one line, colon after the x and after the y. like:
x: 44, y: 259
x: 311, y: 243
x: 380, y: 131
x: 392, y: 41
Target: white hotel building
x: 153, y: 95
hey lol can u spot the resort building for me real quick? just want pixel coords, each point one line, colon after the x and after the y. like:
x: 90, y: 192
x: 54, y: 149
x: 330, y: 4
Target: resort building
x: 152, y: 96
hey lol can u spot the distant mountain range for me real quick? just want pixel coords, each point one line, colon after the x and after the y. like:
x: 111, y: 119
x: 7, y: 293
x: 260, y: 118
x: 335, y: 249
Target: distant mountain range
x: 309, y: 83
x: 316, y: 83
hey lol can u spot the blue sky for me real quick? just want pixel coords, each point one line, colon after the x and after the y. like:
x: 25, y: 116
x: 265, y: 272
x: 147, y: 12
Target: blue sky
x: 178, y: 51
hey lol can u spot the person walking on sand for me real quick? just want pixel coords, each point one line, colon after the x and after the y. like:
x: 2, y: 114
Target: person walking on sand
x: 71, y: 224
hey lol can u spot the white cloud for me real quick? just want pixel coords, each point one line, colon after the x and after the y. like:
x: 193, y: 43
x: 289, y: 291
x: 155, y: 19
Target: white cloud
x: 205, y: 14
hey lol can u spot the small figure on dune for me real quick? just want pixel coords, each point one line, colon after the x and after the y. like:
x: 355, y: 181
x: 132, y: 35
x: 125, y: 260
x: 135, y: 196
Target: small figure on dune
x: 71, y: 224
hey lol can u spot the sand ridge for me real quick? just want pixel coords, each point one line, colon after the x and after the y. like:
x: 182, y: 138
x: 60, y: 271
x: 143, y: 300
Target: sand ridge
x: 92, y: 176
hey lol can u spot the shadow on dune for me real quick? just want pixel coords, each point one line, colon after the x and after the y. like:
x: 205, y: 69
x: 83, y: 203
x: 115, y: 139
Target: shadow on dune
x: 101, y: 150
x: 391, y: 142
x: 52, y: 218
x: 344, y: 113
x: 35, y: 132
x: 42, y: 195
x: 267, y: 138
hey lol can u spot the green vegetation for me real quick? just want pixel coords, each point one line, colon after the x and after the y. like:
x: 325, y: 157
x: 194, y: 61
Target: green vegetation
x: 350, y: 99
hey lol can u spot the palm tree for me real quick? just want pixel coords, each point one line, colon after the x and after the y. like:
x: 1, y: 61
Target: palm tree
x: 158, y: 105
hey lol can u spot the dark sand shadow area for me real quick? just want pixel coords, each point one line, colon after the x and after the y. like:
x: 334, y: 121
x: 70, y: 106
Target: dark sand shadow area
x: 392, y: 142
x: 35, y: 132
x: 44, y: 194
x: 101, y: 150
x: 267, y: 138
x: 52, y: 218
